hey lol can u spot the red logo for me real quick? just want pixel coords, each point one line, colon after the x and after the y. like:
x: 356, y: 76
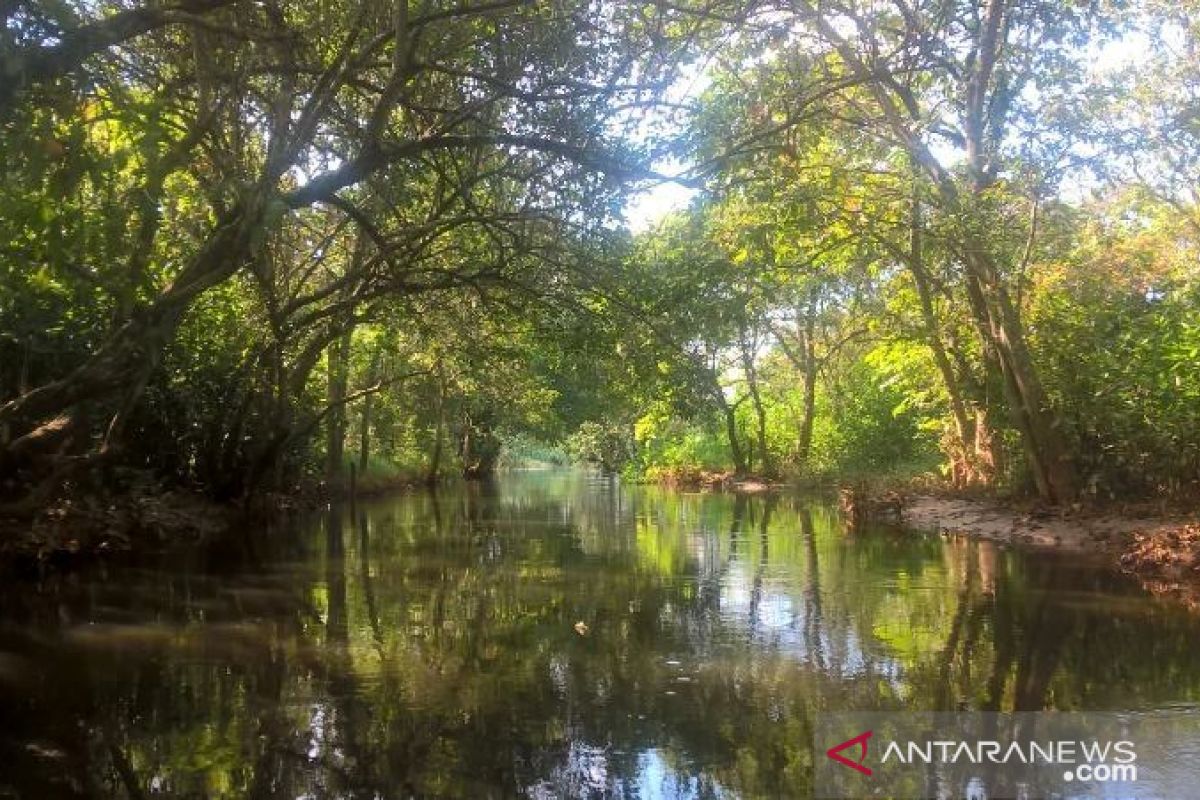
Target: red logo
x: 835, y: 752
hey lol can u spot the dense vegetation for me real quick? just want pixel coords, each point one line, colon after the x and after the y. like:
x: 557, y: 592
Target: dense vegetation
x: 248, y: 243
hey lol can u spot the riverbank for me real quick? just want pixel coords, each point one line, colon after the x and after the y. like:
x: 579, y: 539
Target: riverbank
x: 85, y: 526
x: 697, y: 479
x: 1160, y: 547
x: 1157, y: 544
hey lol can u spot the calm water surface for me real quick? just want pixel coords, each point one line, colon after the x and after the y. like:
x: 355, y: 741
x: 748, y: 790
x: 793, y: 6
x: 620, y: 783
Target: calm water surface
x: 550, y: 635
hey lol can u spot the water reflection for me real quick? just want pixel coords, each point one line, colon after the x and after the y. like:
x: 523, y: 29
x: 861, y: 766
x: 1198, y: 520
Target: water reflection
x: 427, y: 646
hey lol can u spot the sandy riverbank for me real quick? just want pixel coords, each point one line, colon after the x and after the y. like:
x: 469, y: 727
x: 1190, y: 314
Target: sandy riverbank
x: 1161, y: 549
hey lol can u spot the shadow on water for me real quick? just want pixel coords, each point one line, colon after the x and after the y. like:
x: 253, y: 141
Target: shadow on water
x: 428, y: 645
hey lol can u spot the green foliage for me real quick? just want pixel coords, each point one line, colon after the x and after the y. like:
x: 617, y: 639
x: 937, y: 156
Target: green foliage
x: 1122, y: 347
x: 872, y: 426
x: 521, y: 451
x: 241, y: 248
x: 607, y: 446
x: 667, y: 441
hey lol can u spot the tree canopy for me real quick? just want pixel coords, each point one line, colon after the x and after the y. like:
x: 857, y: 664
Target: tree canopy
x: 245, y: 244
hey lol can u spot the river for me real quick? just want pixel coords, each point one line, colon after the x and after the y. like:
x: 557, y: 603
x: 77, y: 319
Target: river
x: 552, y: 634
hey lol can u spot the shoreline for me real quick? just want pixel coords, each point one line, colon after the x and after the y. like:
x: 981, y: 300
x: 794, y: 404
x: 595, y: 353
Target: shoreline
x: 1157, y: 546
x: 93, y: 527
x: 1161, y: 549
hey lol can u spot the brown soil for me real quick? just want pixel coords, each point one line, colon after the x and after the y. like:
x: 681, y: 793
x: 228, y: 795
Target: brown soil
x: 79, y: 528
x: 1161, y: 549
x: 686, y: 478
x: 1168, y: 562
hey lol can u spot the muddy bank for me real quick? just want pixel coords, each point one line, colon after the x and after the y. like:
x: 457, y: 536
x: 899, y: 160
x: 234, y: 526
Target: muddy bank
x: 701, y: 480
x: 1161, y: 549
x: 83, y: 526
x: 1167, y: 561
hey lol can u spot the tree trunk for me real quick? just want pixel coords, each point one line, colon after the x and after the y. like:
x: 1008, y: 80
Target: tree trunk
x: 805, y: 360
x: 120, y: 366
x: 735, y: 448
x: 1045, y: 448
x: 439, y: 433
x: 1003, y: 334
x: 364, y: 444
x: 760, y: 413
x: 339, y: 378
x: 479, y: 449
x: 804, y: 445
x: 967, y: 464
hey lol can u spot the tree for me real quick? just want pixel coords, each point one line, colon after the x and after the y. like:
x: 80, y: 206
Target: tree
x: 248, y: 119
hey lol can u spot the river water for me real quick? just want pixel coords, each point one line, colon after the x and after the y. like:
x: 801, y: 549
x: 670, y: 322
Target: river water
x: 550, y: 635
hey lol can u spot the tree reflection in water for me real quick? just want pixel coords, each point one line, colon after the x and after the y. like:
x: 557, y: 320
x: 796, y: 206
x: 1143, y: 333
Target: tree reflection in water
x: 425, y: 645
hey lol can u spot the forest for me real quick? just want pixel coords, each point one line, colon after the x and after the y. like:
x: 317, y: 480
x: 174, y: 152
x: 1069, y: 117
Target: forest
x: 556, y: 399
x: 251, y: 247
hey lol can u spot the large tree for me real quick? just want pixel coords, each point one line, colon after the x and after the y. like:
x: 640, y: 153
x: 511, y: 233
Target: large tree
x: 195, y: 135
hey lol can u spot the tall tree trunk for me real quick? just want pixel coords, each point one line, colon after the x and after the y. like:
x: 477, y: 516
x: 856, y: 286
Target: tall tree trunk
x: 1045, y: 448
x: 804, y: 360
x: 439, y: 433
x: 281, y: 416
x: 735, y: 447
x: 284, y: 429
x: 922, y: 282
x: 968, y: 465
x: 364, y: 442
x: 479, y: 447
x: 809, y: 369
x: 1003, y: 335
x: 339, y: 378
x: 760, y: 413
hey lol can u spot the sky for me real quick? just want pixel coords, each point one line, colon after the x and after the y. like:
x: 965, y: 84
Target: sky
x: 646, y: 208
